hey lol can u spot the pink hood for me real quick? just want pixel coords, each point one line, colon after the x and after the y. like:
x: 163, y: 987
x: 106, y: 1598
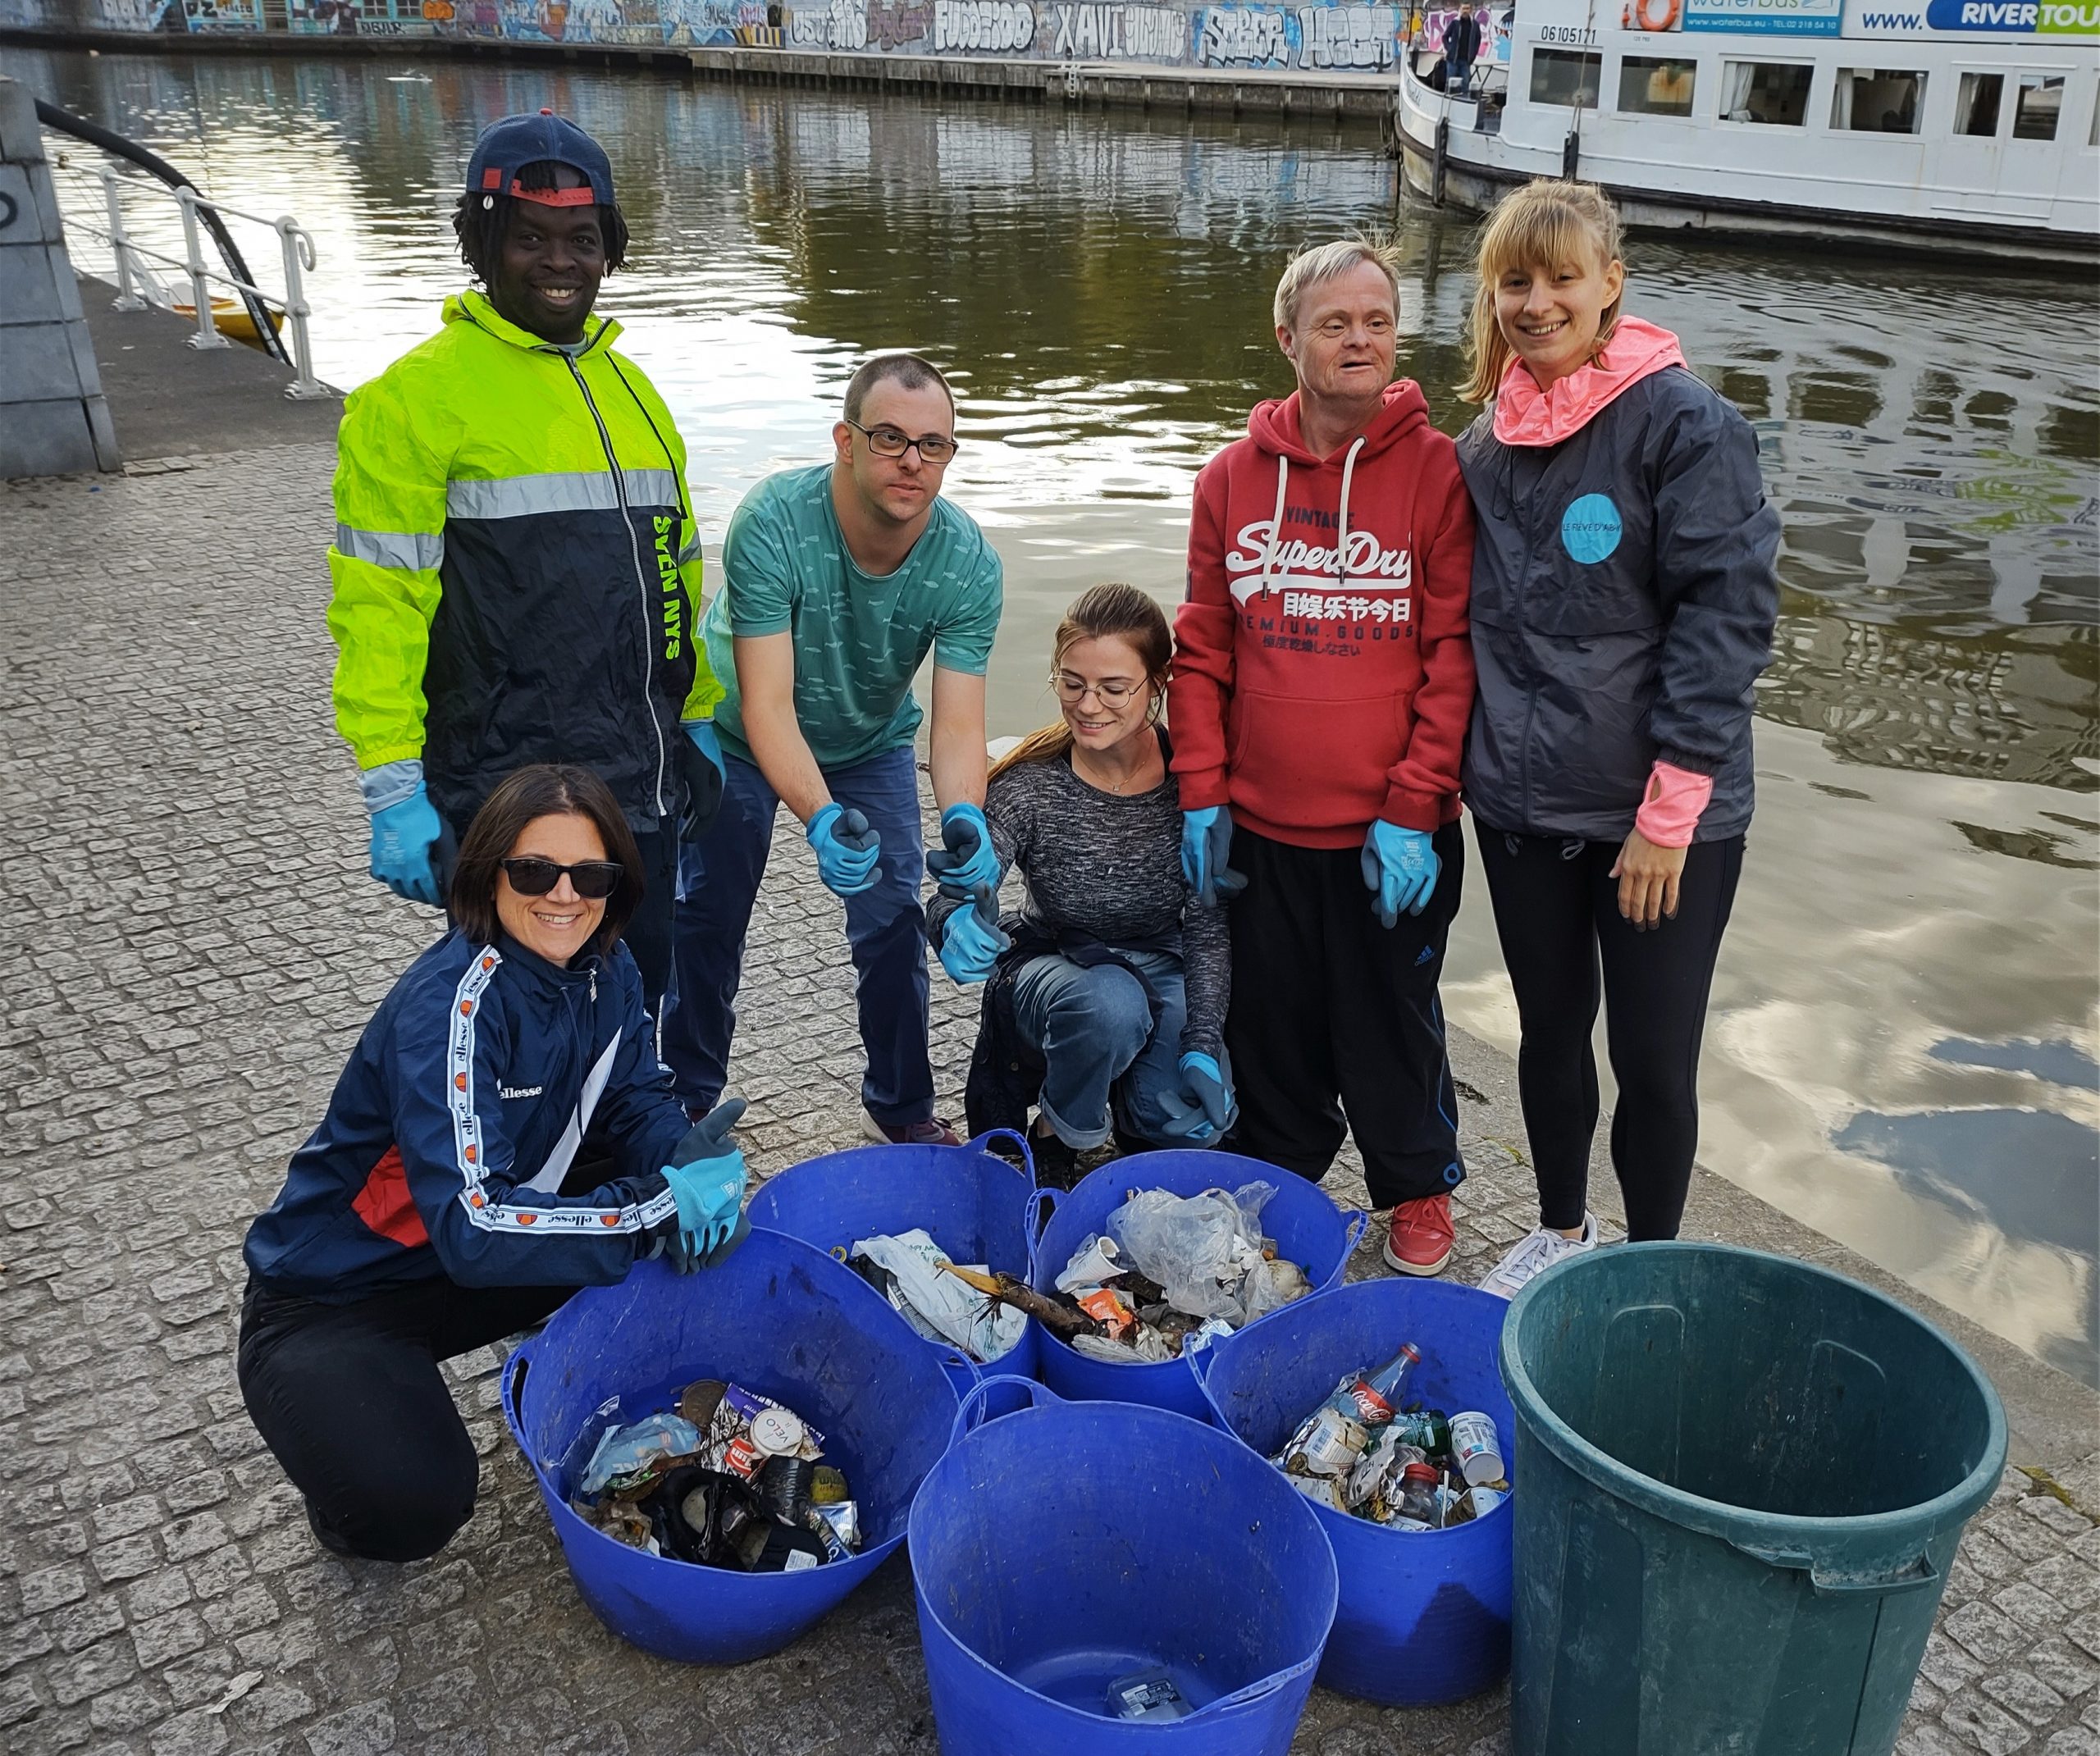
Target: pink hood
x: 1525, y: 415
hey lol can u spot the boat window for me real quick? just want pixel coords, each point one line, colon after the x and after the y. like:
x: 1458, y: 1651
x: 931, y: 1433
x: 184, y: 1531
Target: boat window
x: 1976, y: 104
x: 1650, y: 86
x: 1565, y: 77
x: 1868, y: 100
x: 1775, y: 92
x: 2041, y: 102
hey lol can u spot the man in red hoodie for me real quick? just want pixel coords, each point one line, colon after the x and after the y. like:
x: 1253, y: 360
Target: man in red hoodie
x: 1322, y: 686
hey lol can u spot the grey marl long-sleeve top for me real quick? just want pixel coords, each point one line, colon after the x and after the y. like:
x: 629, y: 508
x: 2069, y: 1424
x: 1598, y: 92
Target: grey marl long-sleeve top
x: 1109, y: 865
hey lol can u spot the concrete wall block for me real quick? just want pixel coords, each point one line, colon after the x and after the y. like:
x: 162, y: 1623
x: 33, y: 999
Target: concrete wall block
x: 30, y: 289
x: 46, y: 439
x: 28, y: 209
x: 21, y: 135
x: 38, y: 364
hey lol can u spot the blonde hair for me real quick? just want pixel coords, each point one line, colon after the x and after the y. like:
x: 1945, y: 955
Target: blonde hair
x: 1324, y: 261
x: 1103, y: 612
x: 1547, y: 222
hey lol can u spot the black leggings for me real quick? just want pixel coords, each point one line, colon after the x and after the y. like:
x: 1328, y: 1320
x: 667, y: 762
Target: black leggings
x: 350, y: 1400
x: 1556, y: 912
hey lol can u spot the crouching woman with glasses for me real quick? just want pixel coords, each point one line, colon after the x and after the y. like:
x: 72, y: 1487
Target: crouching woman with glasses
x: 502, y: 1135
x: 1110, y: 979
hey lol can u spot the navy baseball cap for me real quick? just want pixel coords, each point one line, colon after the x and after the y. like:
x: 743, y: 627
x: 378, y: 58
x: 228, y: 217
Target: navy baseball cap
x: 585, y: 175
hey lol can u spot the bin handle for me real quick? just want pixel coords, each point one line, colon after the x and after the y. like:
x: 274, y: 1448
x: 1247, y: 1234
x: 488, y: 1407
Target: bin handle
x: 1912, y: 1575
x: 513, y: 1397
x: 981, y: 1144
x: 970, y: 1414
x: 1254, y: 1691
x: 956, y: 1356
x: 1357, y: 1220
x: 1035, y: 1217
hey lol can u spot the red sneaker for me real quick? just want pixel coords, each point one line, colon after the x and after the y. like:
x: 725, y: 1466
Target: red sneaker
x: 1420, y: 1240
x: 933, y: 1132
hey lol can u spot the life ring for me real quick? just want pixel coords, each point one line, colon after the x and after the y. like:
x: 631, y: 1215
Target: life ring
x: 1651, y: 15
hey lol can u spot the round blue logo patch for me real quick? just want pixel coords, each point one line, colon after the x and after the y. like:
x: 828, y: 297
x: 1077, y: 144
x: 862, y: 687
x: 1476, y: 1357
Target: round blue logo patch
x: 1590, y: 528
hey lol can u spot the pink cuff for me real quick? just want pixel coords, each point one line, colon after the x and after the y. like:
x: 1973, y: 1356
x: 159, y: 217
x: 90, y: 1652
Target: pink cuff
x: 1671, y: 810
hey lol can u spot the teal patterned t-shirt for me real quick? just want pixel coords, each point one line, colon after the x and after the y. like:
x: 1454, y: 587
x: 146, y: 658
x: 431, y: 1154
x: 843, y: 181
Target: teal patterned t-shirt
x: 859, y: 639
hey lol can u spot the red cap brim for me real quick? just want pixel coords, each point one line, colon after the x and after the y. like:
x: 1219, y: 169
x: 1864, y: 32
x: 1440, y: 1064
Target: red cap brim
x: 580, y: 197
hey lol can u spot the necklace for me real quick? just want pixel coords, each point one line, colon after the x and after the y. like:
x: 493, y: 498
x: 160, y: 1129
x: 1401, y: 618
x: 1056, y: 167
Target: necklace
x: 1100, y: 782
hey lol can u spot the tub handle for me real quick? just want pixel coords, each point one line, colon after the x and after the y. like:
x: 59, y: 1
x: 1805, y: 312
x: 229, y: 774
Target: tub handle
x: 1358, y: 1219
x: 1912, y: 1575
x: 513, y: 1397
x: 1254, y: 1691
x: 981, y: 1144
x: 1035, y: 1217
x: 956, y: 1356
x: 971, y: 1413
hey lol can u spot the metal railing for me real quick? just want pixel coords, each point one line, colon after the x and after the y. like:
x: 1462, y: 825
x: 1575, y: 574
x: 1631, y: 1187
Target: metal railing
x: 296, y: 245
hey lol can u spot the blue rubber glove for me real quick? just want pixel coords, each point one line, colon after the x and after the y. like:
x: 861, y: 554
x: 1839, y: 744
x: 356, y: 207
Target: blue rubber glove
x: 1204, y: 1107
x: 972, y: 940
x: 847, y: 851
x: 709, y: 1180
x: 1400, y: 866
x: 966, y: 859
x: 701, y: 767
x: 403, y: 837
x: 1205, y: 836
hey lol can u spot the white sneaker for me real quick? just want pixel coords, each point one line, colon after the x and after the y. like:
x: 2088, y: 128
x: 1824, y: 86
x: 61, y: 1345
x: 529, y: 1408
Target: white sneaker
x: 1532, y: 1256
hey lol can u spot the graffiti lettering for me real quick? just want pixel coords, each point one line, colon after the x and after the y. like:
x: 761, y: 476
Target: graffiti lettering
x: 983, y: 27
x: 1242, y: 37
x: 1121, y: 33
x: 895, y: 26
x: 843, y: 24
x: 1348, y: 36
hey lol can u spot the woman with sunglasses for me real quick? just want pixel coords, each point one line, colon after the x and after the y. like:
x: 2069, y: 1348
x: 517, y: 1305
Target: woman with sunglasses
x: 502, y: 1135
x: 1111, y: 976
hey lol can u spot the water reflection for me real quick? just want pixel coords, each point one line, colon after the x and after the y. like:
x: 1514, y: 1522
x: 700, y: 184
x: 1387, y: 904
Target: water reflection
x: 1922, y: 870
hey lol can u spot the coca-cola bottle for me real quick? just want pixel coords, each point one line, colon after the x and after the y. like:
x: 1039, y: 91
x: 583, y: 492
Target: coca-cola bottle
x: 1371, y: 1400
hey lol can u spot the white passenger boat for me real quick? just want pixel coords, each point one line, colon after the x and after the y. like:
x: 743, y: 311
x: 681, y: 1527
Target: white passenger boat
x: 1965, y: 125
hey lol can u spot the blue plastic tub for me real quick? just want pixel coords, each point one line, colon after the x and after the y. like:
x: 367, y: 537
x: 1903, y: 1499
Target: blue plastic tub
x: 779, y: 1317
x: 1309, y: 1228
x: 1424, y: 1617
x: 1057, y: 1549
x: 972, y: 1202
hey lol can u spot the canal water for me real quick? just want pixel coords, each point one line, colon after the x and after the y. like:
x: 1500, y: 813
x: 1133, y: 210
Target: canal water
x: 1903, y: 1047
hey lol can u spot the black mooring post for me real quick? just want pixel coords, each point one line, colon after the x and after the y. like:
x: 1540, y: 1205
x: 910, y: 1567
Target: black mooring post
x: 1443, y: 150
x: 1571, y: 154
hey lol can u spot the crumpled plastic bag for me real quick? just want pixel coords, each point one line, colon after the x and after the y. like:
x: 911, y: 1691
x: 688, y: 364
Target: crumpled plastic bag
x: 1146, y: 1346
x: 1202, y: 1249
x: 1094, y: 1261
x: 627, y: 1451
x: 938, y: 1306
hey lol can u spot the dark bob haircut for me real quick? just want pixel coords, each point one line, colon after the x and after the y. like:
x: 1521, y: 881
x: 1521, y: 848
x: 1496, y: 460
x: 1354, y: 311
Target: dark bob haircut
x: 547, y: 789
x: 480, y: 222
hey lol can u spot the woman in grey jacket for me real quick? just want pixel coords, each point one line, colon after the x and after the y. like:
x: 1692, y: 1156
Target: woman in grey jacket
x: 1623, y: 599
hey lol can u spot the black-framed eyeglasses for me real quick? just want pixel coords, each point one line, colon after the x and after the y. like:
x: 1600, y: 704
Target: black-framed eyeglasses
x: 887, y: 441
x: 1114, y: 693
x: 592, y: 879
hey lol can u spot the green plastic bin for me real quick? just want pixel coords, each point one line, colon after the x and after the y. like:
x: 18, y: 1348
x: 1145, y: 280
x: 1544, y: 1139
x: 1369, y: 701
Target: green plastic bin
x: 1744, y: 1479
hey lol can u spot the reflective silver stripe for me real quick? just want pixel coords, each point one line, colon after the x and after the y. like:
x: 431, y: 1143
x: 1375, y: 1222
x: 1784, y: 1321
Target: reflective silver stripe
x: 572, y: 490
x: 402, y: 549
x: 691, y: 551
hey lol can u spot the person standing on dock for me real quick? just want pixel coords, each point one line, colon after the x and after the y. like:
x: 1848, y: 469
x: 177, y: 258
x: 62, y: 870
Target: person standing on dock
x: 1624, y: 596
x: 516, y: 566
x: 1319, y: 701
x: 838, y: 581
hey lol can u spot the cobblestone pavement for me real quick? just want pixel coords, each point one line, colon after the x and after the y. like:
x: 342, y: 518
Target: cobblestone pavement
x: 196, y: 946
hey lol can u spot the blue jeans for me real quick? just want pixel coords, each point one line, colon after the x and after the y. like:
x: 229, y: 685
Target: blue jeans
x: 718, y: 882
x: 1095, y: 1034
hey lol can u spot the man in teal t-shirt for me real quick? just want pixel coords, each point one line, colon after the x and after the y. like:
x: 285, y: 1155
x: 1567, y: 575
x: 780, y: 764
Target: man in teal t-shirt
x: 837, y: 581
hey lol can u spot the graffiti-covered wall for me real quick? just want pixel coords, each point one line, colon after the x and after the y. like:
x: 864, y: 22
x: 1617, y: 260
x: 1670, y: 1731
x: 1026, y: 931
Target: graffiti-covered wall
x: 1339, y: 37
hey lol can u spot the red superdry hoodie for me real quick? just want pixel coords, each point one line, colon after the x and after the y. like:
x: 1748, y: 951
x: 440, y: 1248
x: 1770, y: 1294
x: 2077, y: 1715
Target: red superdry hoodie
x: 1323, y: 675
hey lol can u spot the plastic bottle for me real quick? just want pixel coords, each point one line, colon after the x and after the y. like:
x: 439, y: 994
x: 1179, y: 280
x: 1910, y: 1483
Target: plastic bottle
x: 1372, y: 1399
x: 1427, y: 1429
x: 1417, y: 1501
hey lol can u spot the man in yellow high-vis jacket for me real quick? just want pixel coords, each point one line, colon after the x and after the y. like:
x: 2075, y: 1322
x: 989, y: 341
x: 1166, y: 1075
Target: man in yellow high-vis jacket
x: 516, y: 566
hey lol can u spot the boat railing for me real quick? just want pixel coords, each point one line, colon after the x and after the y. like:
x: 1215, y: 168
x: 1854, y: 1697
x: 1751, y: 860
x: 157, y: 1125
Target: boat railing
x: 134, y: 271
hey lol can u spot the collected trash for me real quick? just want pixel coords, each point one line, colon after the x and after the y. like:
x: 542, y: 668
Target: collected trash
x: 1362, y: 1452
x: 731, y: 1478
x: 911, y: 1271
x: 1148, y: 1696
x: 1171, y: 1274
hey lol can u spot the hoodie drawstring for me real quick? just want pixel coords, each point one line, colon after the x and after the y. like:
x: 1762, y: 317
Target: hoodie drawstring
x: 1341, y: 542
x: 1275, y: 523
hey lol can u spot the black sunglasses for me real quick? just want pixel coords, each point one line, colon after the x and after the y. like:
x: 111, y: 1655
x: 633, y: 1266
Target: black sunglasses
x: 593, y: 879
